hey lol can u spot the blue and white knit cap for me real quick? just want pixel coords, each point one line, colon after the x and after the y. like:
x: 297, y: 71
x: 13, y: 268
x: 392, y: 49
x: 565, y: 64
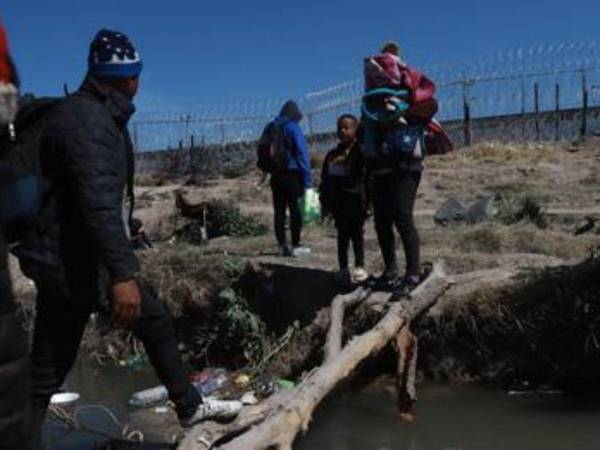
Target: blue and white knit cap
x: 112, y: 54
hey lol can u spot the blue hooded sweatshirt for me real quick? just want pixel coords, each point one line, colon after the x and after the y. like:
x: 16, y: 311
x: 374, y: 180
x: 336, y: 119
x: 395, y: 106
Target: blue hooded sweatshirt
x: 295, y: 142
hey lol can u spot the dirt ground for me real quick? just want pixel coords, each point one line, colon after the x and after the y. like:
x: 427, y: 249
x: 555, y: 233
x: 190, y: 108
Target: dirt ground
x: 563, y: 177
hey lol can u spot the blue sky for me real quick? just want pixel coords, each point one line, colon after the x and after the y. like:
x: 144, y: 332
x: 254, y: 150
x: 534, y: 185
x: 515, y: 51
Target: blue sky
x: 199, y: 51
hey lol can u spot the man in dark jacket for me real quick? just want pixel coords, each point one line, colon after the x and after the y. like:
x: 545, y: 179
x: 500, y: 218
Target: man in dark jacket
x: 289, y: 185
x: 80, y: 255
x: 14, y: 359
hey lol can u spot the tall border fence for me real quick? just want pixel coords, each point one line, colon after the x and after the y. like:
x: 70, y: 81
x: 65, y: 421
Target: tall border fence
x: 542, y: 93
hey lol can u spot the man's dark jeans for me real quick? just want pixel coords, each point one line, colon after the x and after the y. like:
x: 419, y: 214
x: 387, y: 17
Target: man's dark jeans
x: 59, y: 327
x: 287, y: 190
x: 14, y: 365
x: 394, y: 197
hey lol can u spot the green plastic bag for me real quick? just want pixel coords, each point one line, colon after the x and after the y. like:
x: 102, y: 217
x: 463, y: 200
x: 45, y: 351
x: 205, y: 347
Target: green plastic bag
x: 310, y: 207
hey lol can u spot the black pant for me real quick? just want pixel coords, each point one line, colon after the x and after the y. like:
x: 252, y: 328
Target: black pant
x: 394, y: 197
x: 348, y: 211
x: 287, y: 190
x: 59, y: 327
x: 14, y: 383
x: 14, y: 365
x: 352, y: 231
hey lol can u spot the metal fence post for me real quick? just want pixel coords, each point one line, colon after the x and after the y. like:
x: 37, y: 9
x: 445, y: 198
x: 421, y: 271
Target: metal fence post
x: 222, y: 127
x: 191, y: 156
x: 311, y: 136
x: 523, y: 109
x: 536, y: 105
x: 557, y: 109
x: 467, y: 115
x: 584, y: 106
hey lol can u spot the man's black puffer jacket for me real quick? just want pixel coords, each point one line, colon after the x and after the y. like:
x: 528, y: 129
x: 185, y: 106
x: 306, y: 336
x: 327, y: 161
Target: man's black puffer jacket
x: 87, y: 163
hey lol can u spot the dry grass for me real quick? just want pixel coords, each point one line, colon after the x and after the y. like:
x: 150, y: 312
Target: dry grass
x: 494, y: 239
x: 543, y: 329
x: 186, y: 278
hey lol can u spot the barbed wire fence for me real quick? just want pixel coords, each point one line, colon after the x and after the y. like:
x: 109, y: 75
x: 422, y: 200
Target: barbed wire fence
x: 541, y: 93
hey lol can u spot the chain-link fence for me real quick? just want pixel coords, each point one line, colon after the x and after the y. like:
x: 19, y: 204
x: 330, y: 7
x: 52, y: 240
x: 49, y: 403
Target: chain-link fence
x: 541, y: 93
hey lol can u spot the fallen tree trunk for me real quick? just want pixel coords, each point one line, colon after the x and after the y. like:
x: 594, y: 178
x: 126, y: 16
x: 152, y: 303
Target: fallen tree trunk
x: 280, y: 429
x: 310, y: 341
x: 208, y: 434
x: 333, y: 345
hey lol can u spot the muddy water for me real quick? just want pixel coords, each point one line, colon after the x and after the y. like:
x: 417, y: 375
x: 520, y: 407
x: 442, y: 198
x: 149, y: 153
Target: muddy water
x: 109, y: 386
x: 456, y: 419
x: 449, y: 418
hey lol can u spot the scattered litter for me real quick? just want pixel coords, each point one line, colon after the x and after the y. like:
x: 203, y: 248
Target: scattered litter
x: 265, y: 387
x: 133, y: 362
x: 249, y: 398
x: 214, y: 383
x: 535, y: 392
x: 64, y: 398
x: 452, y: 212
x: 483, y: 210
x: 204, y: 375
x: 286, y: 384
x: 149, y: 397
x: 242, y: 380
x: 161, y: 410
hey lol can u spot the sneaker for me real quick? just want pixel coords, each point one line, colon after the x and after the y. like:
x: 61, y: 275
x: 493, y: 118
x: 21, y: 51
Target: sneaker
x: 386, y: 282
x: 212, y: 409
x: 359, y: 275
x: 405, y: 287
x: 300, y: 251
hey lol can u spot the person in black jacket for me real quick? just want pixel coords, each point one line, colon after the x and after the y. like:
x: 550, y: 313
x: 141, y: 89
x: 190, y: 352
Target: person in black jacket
x: 14, y: 352
x: 80, y: 256
x: 342, y: 194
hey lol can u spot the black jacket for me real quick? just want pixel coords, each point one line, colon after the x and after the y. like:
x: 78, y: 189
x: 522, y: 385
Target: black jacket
x: 342, y: 189
x: 6, y: 301
x: 87, y: 164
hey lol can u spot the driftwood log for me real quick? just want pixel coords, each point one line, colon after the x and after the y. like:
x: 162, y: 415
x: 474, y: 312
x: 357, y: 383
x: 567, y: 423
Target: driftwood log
x: 406, y: 345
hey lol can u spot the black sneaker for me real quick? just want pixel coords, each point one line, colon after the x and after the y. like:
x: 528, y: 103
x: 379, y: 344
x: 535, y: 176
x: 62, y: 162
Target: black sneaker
x: 385, y: 282
x: 405, y: 287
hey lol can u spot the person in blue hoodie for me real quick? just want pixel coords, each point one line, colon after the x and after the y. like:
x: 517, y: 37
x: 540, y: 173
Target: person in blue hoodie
x: 289, y: 185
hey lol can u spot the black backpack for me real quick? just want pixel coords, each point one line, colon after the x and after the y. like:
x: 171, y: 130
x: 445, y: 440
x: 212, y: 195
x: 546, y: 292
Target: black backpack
x: 271, y: 153
x: 21, y: 182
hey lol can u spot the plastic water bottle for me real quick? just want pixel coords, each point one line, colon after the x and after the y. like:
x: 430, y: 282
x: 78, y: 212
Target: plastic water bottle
x: 149, y: 397
x: 212, y: 384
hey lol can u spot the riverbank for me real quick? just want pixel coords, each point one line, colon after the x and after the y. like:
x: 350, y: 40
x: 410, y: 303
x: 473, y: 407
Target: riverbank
x: 238, y: 304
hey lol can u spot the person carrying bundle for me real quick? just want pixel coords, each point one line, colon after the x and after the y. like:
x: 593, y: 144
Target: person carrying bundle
x: 398, y: 107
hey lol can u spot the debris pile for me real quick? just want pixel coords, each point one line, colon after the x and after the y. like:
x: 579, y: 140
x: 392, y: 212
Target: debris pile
x: 215, y: 218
